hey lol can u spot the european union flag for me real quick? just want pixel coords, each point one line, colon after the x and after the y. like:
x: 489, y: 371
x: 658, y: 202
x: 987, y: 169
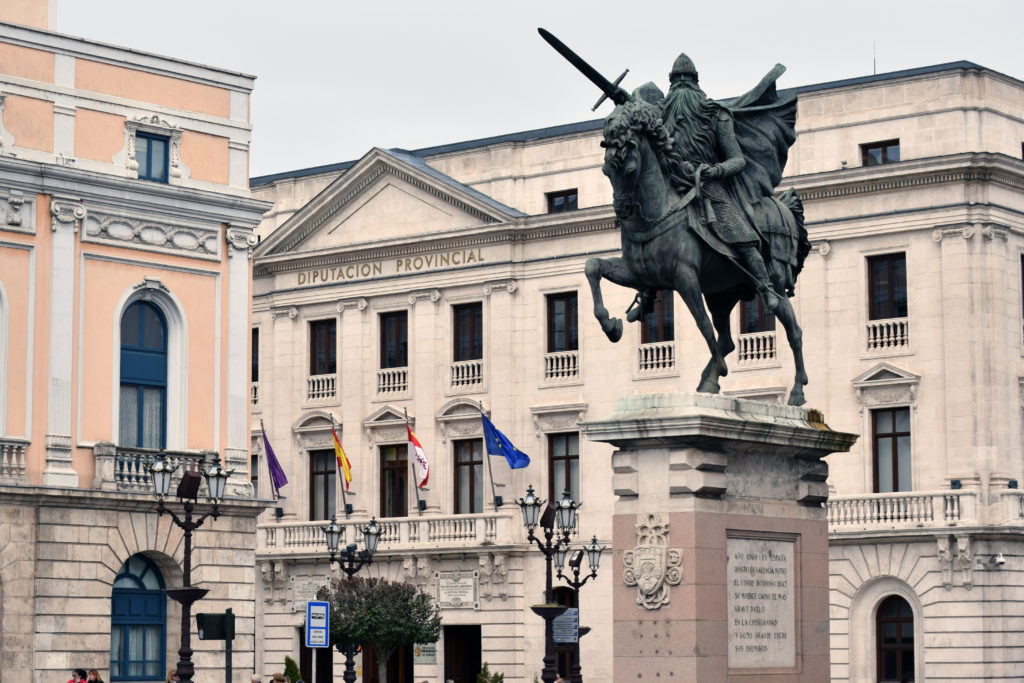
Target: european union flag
x: 498, y: 444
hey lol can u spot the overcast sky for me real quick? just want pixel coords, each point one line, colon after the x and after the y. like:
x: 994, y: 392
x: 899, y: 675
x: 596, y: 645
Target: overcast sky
x: 337, y: 77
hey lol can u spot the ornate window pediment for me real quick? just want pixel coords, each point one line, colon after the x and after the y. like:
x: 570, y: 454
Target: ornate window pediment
x: 460, y: 419
x: 154, y: 125
x: 558, y: 418
x: 386, y: 425
x: 313, y: 430
x: 886, y: 385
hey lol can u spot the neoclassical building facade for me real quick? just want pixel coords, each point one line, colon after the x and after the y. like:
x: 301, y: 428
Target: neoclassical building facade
x: 126, y: 225
x: 443, y: 282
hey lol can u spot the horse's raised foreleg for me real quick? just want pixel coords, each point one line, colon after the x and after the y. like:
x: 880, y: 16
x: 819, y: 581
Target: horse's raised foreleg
x: 688, y: 287
x: 787, y: 316
x: 615, y: 270
x: 721, y: 306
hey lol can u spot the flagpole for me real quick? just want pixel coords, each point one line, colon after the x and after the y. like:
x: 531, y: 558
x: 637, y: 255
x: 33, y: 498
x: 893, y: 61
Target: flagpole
x: 339, y: 472
x: 412, y: 466
x: 273, y: 486
x: 498, y: 502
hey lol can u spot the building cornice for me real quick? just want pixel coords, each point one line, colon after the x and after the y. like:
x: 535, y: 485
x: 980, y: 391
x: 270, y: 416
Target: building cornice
x: 49, y: 497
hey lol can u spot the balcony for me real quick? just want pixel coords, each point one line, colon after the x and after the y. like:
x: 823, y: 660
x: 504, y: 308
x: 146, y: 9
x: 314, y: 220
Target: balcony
x: 467, y: 375
x: 656, y: 358
x: 562, y: 367
x: 12, y: 461
x: 903, y: 510
x: 392, y: 381
x: 126, y: 469
x: 321, y: 388
x: 756, y: 348
x: 399, y: 533
x: 889, y: 335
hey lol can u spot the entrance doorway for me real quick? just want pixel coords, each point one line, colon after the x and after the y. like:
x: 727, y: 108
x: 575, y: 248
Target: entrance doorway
x: 399, y: 666
x: 324, y: 662
x: 462, y: 647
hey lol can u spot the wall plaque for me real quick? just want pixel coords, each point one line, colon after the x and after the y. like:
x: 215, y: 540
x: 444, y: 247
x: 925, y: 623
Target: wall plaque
x: 304, y: 589
x: 424, y: 653
x: 761, y: 603
x: 458, y: 589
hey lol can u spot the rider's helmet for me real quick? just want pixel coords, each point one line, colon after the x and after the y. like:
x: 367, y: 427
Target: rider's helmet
x: 683, y: 66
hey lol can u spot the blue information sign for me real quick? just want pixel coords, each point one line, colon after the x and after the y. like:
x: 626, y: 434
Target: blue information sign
x: 566, y: 626
x: 317, y: 620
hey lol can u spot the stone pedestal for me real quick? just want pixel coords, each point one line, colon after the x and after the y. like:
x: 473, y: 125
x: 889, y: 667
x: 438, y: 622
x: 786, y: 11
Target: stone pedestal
x: 720, y: 539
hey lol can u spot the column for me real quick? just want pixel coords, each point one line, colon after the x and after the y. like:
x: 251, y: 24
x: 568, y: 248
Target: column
x: 236, y: 451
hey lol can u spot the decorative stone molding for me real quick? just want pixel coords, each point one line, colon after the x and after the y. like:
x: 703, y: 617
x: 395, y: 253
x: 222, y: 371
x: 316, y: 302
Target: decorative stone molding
x: 14, y: 201
x: 432, y: 294
x: 278, y: 311
x: 886, y: 385
x: 945, y: 556
x: 150, y: 283
x: 313, y: 430
x: 240, y: 239
x: 191, y: 241
x: 154, y: 124
x: 652, y: 566
x: 358, y: 303
x: 822, y: 248
x: 509, y: 286
x: 416, y: 571
x: 556, y: 418
x: 460, y: 419
x: 965, y: 230
x: 493, y: 576
x: 66, y: 210
x: 386, y: 425
x: 273, y: 579
x: 6, y: 139
x: 965, y: 560
x: 17, y: 212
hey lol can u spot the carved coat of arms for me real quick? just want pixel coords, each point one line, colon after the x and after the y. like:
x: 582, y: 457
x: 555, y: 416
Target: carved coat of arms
x: 652, y: 566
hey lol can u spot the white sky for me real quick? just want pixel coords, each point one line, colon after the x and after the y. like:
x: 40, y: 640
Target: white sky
x: 337, y: 77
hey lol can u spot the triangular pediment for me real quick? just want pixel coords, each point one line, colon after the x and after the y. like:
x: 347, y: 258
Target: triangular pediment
x: 384, y: 416
x: 885, y: 373
x: 387, y: 195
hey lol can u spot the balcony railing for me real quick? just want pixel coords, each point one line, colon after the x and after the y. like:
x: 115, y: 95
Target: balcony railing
x: 756, y: 348
x: 656, y: 357
x: 254, y: 394
x: 398, y: 533
x: 562, y: 366
x: 126, y: 469
x: 891, y: 334
x: 392, y: 381
x: 904, y: 510
x: 12, y: 461
x: 321, y: 388
x: 467, y: 374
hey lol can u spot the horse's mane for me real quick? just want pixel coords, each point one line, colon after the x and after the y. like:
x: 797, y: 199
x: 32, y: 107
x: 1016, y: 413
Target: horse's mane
x: 637, y: 117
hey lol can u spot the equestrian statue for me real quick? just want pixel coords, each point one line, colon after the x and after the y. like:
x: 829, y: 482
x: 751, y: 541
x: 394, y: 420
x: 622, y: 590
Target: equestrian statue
x: 693, y: 186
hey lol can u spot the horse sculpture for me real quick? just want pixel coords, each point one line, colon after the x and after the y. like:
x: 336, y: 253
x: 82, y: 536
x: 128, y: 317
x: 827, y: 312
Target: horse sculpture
x: 665, y: 245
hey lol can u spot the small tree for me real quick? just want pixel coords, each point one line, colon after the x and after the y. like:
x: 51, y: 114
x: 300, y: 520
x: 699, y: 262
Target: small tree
x: 380, y: 614
x: 485, y: 676
x: 291, y: 669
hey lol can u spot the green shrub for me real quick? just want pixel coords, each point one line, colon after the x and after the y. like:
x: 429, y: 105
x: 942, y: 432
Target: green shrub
x: 485, y: 676
x: 291, y: 669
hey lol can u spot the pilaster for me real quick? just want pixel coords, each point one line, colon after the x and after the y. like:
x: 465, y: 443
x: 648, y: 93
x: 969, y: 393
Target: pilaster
x: 240, y: 242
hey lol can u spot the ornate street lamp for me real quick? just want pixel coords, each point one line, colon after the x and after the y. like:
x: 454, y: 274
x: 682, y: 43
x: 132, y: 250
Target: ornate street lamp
x: 531, y: 507
x: 188, y: 494
x: 593, y: 553
x: 351, y: 561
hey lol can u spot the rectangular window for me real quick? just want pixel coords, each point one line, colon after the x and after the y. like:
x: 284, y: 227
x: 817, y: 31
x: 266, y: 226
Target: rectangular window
x: 890, y: 430
x: 394, y: 339
x: 755, y: 318
x: 469, y: 477
x: 878, y: 153
x: 254, y: 473
x: 562, y: 330
x: 394, y: 473
x: 659, y: 324
x: 322, y: 469
x: 255, y: 354
x: 323, y: 348
x: 887, y: 286
x: 565, y: 200
x: 151, y: 154
x: 469, y: 331
x: 564, y: 465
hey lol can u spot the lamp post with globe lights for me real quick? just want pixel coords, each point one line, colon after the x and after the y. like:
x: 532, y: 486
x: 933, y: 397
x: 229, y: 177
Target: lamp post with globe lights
x: 351, y: 561
x: 188, y: 495
x: 593, y: 553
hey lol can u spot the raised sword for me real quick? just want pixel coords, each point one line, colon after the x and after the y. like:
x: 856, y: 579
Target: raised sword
x: 612, y: 90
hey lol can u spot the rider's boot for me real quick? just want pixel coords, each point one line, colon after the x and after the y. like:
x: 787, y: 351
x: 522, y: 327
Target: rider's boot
x: 642, y: 304
x: 753, y: 262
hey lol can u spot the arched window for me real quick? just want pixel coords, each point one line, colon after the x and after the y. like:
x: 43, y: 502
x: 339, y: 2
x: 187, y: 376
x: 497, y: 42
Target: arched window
x: 143, y: 405
x: 138, y: 622
x: 895, y: 629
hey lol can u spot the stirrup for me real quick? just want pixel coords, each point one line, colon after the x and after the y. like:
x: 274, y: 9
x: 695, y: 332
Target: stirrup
x: 769, y: 297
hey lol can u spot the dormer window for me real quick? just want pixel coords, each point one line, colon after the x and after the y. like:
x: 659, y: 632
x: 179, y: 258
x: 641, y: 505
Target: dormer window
x: 878, y: 153
x: 565, y: 200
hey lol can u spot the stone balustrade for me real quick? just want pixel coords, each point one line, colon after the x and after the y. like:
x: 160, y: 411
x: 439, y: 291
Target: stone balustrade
x: 430, y: 532
x: 562, y: 366
x: 321, y: 388
x: 656, y: 357
x: 891, y: 334
x: 902, y: 510
x: 467, y: 374
x: 1012, y: 503
x: 12, y: 460
x: 392, y: 381
x: 755, y: 348
x: 126, y: 469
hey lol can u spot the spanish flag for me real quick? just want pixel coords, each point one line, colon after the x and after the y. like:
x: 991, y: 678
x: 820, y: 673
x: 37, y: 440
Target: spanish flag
x: 343, y: 465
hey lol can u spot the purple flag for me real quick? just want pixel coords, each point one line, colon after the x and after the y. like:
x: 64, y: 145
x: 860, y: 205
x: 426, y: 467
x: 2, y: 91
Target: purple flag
x: 276, y: 473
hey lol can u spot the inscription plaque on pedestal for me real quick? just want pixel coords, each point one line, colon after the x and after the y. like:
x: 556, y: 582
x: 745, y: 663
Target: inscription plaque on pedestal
x: 761, y: 603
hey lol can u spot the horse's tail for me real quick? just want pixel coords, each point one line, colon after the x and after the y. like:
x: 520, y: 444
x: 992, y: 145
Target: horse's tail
x: 803, y: 244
